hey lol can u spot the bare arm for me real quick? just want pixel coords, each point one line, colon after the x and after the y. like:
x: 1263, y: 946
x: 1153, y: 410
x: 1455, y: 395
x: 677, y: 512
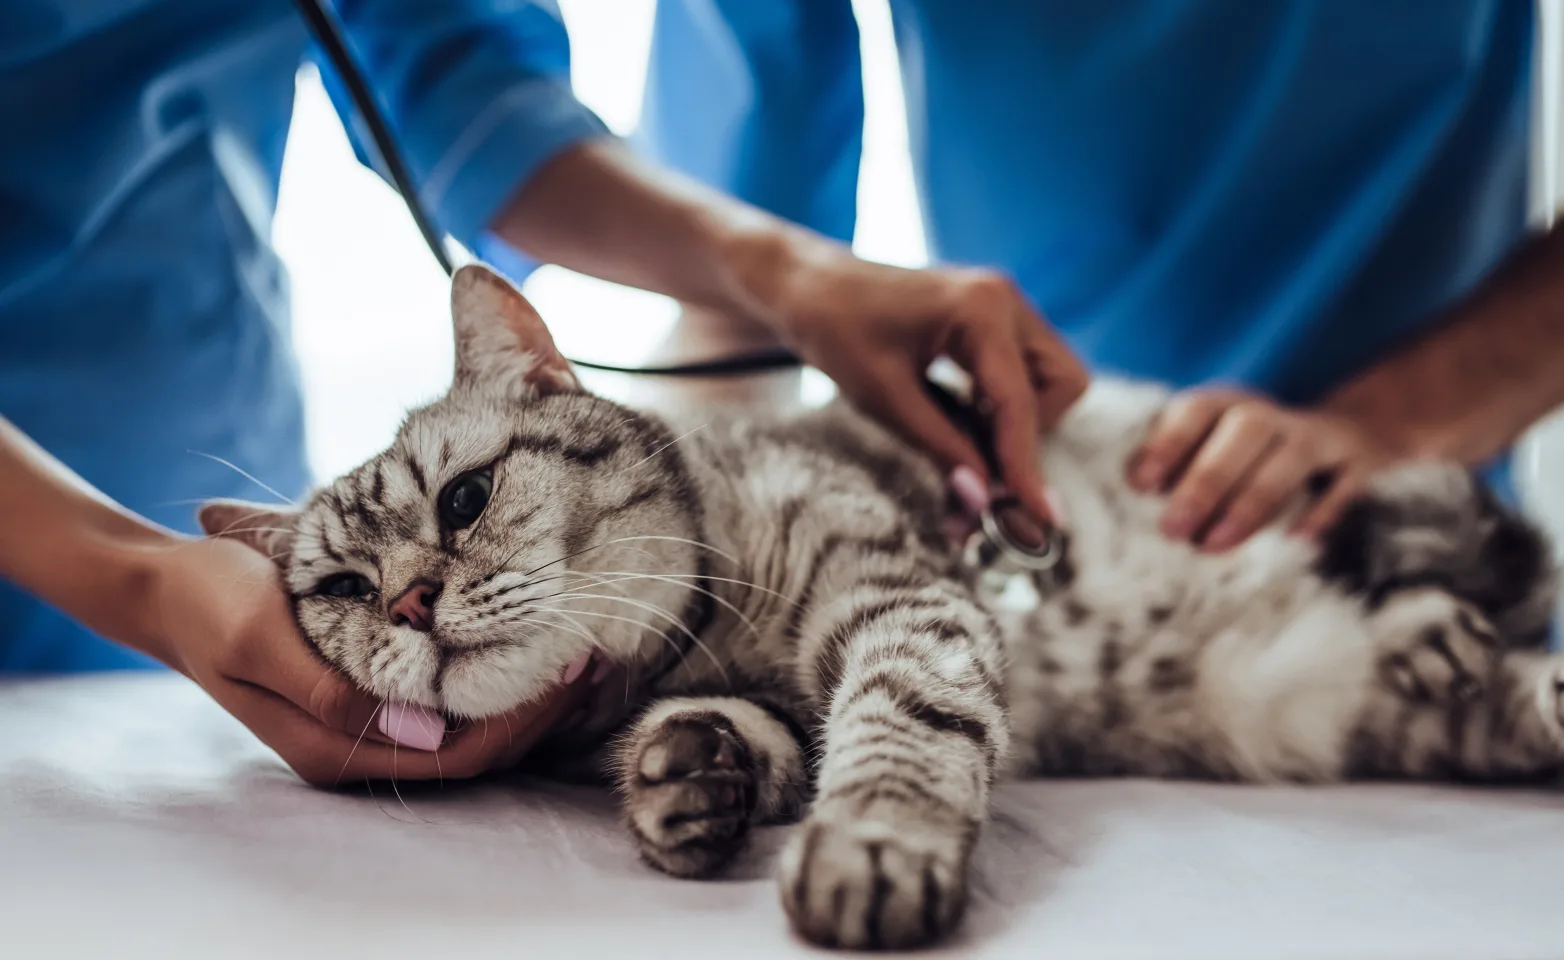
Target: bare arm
x: 1470, y: 389
x: 66, y: 543
x: 873, y: 328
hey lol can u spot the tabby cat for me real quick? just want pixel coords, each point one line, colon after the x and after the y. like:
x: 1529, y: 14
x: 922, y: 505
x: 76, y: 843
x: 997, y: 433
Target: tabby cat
x: 801, y: 639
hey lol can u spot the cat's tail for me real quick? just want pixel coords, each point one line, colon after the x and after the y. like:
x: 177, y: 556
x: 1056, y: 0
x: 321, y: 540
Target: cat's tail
x: 1435, y: 524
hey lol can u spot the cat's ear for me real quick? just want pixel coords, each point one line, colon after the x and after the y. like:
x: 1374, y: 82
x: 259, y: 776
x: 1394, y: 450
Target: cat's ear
x: 501, y: 342
x: 262, y: 527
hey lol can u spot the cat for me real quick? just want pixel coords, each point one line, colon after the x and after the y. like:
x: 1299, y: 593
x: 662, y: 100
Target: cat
x: 801, y: 639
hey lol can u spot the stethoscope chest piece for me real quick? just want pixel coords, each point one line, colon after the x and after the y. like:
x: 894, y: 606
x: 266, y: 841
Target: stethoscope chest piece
x: 1008, y: 544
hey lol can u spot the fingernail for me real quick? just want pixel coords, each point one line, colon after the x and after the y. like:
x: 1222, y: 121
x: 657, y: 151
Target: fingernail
x: 1148, y: 473
x: 604, y: 668
x: 1179, y: 521
x: 1224, y: 535
x: 575, y: 668
x: 411, y: 725
x: 970, y: 488
x: 1056, y: 507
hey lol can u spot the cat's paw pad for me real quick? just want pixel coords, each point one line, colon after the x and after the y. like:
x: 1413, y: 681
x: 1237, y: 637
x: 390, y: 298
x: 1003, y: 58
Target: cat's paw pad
x: 875, y: 885
x: 1437, y: 649
x: 689, y: 796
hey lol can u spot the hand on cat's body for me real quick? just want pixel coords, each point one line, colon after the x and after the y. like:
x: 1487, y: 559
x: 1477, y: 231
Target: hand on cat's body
x: 875, y: 329
x: 227, y: 625
x: 1231, y: 462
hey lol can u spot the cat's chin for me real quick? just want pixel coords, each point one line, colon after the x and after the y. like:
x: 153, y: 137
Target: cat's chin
x: 493, y: 682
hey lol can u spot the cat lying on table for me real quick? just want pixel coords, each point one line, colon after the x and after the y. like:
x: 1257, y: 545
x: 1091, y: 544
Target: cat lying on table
x: 801, y: 639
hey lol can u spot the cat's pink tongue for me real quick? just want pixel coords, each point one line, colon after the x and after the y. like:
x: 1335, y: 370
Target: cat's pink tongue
x: 412, y: 725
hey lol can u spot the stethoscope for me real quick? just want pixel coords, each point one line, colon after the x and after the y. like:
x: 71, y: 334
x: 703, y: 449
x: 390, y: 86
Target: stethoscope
x: 992, y: 546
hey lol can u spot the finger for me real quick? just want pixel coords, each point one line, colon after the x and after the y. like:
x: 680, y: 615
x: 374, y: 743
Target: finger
x: 1175, y: 436
x: 327, y: 757
x: 320, y: 755
x: 1261, y: 496
x: 287, y: 666
x: 1349, y: 483
x: 1003, y: 380
x: 1058, y: 377
x: 900, y: 401
x: 1235, y: 447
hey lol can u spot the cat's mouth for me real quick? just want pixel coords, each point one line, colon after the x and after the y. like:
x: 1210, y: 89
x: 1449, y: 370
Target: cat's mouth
x: 451, y: 652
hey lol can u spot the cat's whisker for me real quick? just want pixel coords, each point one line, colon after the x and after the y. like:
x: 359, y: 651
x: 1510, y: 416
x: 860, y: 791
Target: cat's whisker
x: 653, y: 608
x: 608, y: 543
x: 747, y: 584
x: 245, y: 474
x: 631, y: 576
x: 609, y: 616
x: 665, y: 446
x: 361, y: 734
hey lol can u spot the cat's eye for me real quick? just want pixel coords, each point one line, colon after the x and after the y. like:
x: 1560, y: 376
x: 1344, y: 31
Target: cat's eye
x: 346, y: 586
x: 463, y: 499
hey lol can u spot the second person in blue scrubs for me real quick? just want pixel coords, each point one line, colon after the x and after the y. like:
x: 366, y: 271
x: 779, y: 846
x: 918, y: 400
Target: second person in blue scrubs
x: 1321, y: 203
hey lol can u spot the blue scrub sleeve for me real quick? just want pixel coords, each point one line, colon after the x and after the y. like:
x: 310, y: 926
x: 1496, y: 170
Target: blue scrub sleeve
x: 762, y: 99
x: 477, y: 93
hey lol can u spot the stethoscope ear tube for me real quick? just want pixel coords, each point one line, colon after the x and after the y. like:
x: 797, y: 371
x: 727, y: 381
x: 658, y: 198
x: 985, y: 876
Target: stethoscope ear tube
x: 328, y: 33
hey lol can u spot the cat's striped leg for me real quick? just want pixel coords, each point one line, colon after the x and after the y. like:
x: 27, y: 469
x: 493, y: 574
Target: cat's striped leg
x: 697, y: 771
x: 1450, y: 701
x: 914, y: 732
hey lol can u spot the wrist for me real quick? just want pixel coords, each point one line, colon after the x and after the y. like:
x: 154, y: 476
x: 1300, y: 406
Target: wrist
x: 141, y: 580
x: 763, y: 261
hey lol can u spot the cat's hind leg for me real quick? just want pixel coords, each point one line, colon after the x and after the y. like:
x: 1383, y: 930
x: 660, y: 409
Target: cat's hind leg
x: 1450, y: 702
x: 696, y: 772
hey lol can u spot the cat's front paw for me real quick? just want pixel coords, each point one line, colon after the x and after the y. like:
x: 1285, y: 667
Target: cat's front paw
x: 690, y: 795
x: 875, y: 885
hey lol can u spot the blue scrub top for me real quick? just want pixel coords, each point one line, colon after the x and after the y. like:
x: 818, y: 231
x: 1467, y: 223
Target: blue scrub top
x: 143, y: 312
x: 1267, y: 192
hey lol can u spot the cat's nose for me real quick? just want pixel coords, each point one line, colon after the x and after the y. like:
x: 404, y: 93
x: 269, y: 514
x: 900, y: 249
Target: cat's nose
x: 415, y: 607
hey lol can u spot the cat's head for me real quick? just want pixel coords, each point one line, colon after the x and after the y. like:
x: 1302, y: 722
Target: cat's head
x: 514, y: 524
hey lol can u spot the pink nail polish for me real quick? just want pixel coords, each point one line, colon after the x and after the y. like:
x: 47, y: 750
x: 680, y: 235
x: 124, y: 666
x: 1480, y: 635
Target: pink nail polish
x: 411, y: 725
x: 970, y: 489
x: 1219, y: 539
x: 1179, y: 522
x: 576, y: 668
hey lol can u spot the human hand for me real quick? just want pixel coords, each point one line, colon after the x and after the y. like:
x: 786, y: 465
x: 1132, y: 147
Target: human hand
x: 875, y: 329
x: 1231, y: 462
x: 224, y: 621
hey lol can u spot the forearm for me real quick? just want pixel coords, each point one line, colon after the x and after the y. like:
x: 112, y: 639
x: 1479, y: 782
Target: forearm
x: 66, y: 543
x: 1470, y: 389
x: 599, y: 210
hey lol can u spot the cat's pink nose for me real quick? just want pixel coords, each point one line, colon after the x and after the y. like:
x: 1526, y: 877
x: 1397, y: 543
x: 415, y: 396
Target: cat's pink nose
x: 415, y: 607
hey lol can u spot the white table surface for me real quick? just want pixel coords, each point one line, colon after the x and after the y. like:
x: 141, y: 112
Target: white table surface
x: 136, y: 819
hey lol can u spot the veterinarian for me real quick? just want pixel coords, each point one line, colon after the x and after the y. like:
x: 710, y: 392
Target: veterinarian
x: 1319, y: 206
x: 145, y: 319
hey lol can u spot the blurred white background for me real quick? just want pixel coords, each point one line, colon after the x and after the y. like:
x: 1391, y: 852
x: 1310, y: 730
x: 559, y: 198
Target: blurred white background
x: 359, y: 269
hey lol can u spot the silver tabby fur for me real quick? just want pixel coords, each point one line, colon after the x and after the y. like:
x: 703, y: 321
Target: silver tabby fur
x: 801, y: 640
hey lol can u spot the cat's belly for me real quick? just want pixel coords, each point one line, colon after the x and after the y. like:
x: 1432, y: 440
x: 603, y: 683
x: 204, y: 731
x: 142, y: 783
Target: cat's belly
x: 1158, y: 659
